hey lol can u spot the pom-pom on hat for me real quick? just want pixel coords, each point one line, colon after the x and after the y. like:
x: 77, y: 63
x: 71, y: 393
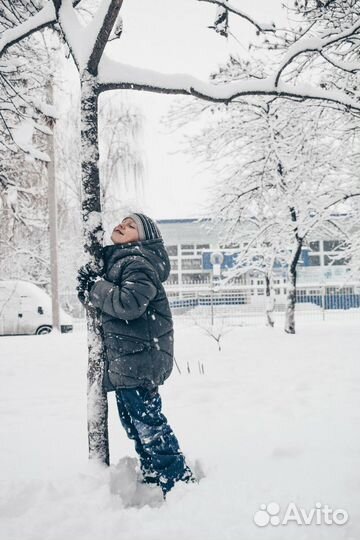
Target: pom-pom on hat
x: 148, y: 230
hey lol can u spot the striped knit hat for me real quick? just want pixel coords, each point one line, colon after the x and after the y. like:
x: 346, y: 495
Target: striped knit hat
x: 148, y: 230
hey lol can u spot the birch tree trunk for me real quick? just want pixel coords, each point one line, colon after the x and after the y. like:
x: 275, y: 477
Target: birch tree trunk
x: 93, y: 238
x: 291, y: 296
x: 270, y: 303
x: 98, y: 436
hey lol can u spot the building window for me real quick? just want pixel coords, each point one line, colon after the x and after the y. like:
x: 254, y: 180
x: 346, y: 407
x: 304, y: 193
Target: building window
x: 174, y: 264
x: 200, y: 247
x: 301, y: 292
x: 173, y: 279
x: 188, y: 249
x: 172, y: 250
x: 347, y: 290
x: 232, y: 245
x: 314, y: 260
x: 191, y: 264
x: 277, y: 291
x: 238, y: 280
x: 314, y: 246
x: 195, y: 278
x: 331, y: 245
x: 330, y: 261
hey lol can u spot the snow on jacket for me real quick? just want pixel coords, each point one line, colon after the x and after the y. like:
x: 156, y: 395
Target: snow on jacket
x: 136, y: 316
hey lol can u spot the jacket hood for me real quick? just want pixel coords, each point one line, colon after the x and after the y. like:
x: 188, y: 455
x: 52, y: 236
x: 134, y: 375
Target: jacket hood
x: 152, y: 250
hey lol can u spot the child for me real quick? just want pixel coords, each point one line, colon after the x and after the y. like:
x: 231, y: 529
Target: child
x: 138, y: 334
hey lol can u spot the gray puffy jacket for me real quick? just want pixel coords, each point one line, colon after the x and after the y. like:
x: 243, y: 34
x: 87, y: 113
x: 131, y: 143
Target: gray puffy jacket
x: 136, y: 316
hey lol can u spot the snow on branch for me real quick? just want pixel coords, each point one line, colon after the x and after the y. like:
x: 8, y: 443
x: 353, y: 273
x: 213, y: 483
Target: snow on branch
x: 314, y: 45
x: 87, y: 43
x: 343, y: 199
x: 233, y: 9
x: 72, y: 29
x: 349, y: 67
x: 45, y: 17
x: 103, y: 33
x: 115, y: 75
x: 221, y: 24
x: 22, y: 135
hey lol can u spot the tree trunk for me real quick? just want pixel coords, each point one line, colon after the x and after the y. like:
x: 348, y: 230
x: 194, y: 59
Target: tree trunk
x: 291, y: 296
x: 93, y: 243
x: 53, y: 226
x: 270, y: 303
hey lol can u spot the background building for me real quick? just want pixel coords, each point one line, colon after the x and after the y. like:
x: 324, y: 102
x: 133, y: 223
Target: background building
x: 190, y: 243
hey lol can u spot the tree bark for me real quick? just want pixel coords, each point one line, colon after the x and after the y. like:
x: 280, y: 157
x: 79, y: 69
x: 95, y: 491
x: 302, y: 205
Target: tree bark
x: 53, y: 226
x: 291, y: 296
x: 93, y: 243
x: 270, y: 303
x: 98, y: 436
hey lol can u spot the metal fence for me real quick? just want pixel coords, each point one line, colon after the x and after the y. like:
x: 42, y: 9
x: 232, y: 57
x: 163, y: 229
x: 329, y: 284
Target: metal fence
x: 247, y: 305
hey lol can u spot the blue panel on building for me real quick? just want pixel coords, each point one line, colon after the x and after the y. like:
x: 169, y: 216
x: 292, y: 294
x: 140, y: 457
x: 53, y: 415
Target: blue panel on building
x: 228, y: 262
x: 304, y: 258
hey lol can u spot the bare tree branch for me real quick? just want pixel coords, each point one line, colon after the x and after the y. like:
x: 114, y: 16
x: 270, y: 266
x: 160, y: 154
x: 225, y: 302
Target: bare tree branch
x: 313, y: 45
x: 113, y: 75
x: 103, y: 35
x: 136, y: 79
x: 45, y: 17
x: 232, y: 9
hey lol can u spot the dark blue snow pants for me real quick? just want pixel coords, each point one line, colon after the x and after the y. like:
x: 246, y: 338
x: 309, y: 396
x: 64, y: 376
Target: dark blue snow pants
x: 161, y: 460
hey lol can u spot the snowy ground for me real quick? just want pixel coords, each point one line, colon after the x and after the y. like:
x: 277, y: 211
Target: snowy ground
x: 275, y: 418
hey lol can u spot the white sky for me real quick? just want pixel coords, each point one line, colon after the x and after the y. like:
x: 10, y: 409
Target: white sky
x: 172, y: 36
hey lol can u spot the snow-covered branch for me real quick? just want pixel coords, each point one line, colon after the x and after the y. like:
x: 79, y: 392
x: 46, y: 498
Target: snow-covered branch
x: 103, y: 34
x: 114, y: 75
x: 221, y: 23
x: 342, y: 199
x: 348, y: 67
x: 87, y: 43
x: 21, y: 251
x: 233, y: 9
x: 315, y: 44
x: 72, y: 29
x: 48, y: 15
x: 45, y: 17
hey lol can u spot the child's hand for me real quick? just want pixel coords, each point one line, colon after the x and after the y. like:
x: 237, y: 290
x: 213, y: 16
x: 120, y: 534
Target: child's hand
x: 86, y: 279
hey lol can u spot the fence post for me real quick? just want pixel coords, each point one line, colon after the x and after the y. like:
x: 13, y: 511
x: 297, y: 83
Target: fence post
x: 323, y: 302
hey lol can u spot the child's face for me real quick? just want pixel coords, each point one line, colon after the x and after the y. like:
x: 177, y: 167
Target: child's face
x: 125, y: 232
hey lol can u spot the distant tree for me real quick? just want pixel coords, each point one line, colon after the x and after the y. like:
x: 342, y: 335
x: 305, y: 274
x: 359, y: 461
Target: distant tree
x: 121, y: 168
x: 25, y: 118
x: 122, y: 159
x: 23, y: 105
x: 281, y: 170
